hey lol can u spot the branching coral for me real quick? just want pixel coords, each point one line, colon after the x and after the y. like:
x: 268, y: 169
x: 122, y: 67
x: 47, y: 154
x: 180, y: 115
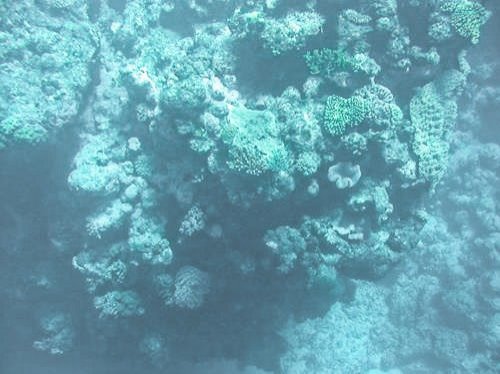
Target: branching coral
x: 341, y: 113
x: 101, y: 269
x: 286, y: 243
x: 291, y: 32
x: 467, y: 17
x: 433, y: 113
x: 191, y: 287
x: 147, y: 237
x: 117, y: 304
x: 328, y: 61
x: 60, y: 334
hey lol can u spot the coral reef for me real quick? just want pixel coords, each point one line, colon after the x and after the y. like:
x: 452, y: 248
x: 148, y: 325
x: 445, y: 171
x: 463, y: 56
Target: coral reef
x: 294, y: 186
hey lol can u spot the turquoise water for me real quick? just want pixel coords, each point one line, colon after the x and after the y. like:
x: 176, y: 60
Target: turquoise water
x: 249, y: 186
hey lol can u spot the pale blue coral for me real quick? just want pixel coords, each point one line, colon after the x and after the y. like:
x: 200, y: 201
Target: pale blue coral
x: 117, y: 304
x: 433, y: 114
x: 253, y: 142
x: 467, y: 17
x: 291, y: 32
x: 43, y: 70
